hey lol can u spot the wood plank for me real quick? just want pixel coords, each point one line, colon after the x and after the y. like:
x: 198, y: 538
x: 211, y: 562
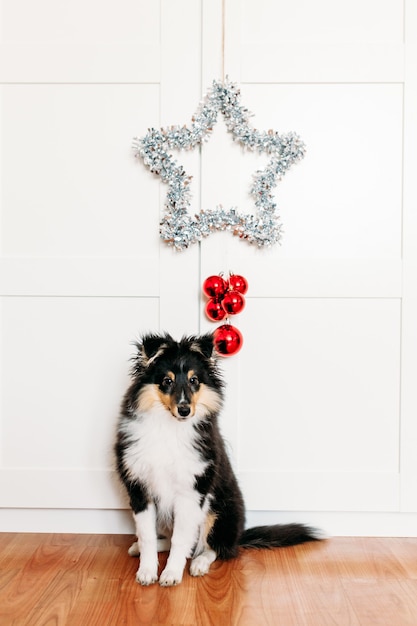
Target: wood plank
x: 90, y: 579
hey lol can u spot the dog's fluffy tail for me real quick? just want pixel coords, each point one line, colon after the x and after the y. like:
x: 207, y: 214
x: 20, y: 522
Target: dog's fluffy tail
x: 278, y: 536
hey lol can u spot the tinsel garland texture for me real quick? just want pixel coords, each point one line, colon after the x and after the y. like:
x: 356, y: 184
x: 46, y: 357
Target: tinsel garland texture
x: 180, y: 229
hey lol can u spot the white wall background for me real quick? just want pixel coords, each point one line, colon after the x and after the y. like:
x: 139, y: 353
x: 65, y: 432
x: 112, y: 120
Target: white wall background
x: 322, y: 403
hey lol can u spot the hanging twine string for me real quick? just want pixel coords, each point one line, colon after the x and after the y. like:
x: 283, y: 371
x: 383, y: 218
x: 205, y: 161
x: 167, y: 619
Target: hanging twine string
x: 223, y: 35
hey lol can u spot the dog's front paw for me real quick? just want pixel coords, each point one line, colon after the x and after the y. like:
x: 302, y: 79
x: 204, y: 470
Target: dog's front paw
x: 200, y: 565
x: 146, y: 576
x: 170, y: 578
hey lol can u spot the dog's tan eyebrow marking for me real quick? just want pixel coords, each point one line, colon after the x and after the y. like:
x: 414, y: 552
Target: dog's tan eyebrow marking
x: 190, y: 374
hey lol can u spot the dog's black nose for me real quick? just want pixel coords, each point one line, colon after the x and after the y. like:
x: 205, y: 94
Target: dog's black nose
x: 183, y: 410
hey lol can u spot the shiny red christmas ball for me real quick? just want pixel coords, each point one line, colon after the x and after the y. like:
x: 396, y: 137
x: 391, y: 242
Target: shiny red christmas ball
x: 233, y: 302
x: 238, y: 283
x: 214, y: 310
x: 227, y: 340
x: 214, y: 286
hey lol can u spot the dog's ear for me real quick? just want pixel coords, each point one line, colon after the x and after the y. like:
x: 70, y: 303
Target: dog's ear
x: 152, y: 346
x: 203, y: 344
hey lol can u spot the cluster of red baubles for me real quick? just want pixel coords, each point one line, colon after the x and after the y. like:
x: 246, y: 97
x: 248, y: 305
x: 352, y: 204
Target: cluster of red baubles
x: 225, y: 298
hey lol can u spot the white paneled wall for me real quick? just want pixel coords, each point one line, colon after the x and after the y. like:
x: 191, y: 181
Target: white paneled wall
x: 70, y: 188
x: 321, y: 401
x: 322, y: 393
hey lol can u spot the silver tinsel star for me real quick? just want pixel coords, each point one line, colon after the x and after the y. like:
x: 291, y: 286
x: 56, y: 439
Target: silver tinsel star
x: 178, y: 228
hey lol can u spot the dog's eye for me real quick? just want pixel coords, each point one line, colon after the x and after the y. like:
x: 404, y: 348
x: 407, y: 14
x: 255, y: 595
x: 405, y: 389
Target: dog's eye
x: 193, y: 380
x: 167, y: 381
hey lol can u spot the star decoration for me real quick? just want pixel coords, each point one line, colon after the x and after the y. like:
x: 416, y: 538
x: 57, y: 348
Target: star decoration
x: 178, y: 228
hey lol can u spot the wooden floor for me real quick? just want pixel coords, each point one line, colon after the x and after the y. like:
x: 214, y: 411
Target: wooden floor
x: 88, y: 580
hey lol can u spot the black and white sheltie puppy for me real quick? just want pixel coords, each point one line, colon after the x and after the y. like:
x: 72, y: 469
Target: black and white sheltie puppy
x: 173, y: 463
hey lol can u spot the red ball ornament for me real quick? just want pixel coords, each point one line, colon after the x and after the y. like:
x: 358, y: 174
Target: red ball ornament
x: 214, y: 286
x: 238, y: 283
x: 227, y: 340
x: 233, y: 302
x: 214, y: 310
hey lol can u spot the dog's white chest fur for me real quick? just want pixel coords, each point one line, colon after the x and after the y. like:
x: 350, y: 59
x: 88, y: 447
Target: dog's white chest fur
x: 162, y: 457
